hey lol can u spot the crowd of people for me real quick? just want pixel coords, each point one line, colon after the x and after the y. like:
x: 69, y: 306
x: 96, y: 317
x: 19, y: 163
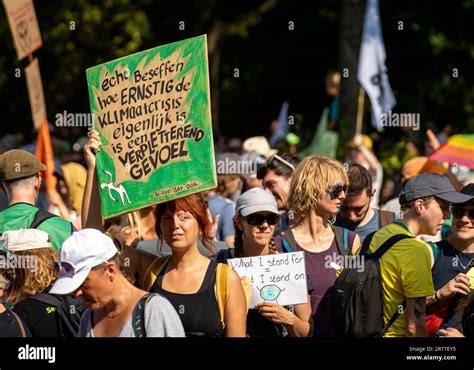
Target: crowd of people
x: 163, y: 271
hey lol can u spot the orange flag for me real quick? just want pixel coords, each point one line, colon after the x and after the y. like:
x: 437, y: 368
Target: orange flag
x: 44, y: 152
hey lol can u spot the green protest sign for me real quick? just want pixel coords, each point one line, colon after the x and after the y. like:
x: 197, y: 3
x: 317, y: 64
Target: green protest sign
x: 152, y: 111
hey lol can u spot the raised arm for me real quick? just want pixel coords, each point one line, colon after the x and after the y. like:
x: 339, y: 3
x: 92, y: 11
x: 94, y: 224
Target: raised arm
x: 91, y: 214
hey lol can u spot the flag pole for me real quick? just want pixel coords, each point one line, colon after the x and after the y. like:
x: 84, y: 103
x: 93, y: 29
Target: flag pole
x: 360, y: 110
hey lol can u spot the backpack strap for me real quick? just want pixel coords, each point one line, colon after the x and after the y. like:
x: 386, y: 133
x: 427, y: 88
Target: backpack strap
x: 221, y: 289
x: 153, y: 270
x: 389, y: 243
x: 288, y: 241
x: 385, y: 218
x: 341, y: 234
x: 138, y: 316
x: 392, y: 319
x: 366, y: 243
x: 40, y: 217
x: 20, y: 324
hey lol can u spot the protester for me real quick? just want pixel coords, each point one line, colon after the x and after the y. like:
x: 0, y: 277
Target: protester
x: 187, y: 278
x: 33, y: 272
x: 317, y: 192
x: 454, y: 258
x: 406, y: 266
x: 90, y: 269
x: 19, y: 173
x: 356, y: 214
x: 276, y: 175
x: 255, y: 221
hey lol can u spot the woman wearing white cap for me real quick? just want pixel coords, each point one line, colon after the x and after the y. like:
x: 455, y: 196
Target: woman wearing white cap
x: 32, y: 272
x: 90, y: 268
x: 255, y: 221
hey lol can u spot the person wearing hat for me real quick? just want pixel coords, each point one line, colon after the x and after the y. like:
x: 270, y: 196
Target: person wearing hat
x: 90, y: 269
x: 260, y: 145
x: 406, y: 267
x: 19, y: 173
x: 453, y: 269
x: 256, y: 217
x: 32, y: 274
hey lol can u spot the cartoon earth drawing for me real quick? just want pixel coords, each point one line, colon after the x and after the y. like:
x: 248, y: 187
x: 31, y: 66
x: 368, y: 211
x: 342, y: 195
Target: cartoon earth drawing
x: 270, y: 292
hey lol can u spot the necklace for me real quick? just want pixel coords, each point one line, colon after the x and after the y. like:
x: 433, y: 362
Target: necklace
x: 467, y: 265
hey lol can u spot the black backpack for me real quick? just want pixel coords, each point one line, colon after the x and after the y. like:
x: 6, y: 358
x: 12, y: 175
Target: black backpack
x: 68, y: 311
x: 357, y: 302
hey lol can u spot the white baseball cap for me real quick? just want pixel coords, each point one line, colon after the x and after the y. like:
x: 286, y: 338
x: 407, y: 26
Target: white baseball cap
x: 80, y: 253
x: 256, y: 200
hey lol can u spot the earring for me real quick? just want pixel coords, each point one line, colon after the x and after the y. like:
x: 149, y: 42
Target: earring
x: 331, y: 219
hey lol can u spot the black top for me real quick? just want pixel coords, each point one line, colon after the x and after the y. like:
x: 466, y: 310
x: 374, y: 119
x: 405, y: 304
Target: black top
x: 199, y: 312
x: 39, y: 317
x: 9, y: 326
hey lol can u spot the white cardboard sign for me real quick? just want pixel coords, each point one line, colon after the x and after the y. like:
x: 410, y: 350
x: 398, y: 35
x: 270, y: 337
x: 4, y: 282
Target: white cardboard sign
x: 279, y: 278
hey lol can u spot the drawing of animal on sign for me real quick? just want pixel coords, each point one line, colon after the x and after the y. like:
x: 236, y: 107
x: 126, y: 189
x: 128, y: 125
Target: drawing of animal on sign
x: 279, y: 278
x: 120, y: 190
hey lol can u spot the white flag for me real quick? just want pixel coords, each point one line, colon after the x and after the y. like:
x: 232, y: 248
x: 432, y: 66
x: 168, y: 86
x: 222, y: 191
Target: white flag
x: 372, y: 73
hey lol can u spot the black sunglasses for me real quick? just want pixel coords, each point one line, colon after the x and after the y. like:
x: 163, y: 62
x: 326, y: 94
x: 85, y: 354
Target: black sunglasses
x: 272, y: 219
x: 335, y: 190
x: 459, y: 212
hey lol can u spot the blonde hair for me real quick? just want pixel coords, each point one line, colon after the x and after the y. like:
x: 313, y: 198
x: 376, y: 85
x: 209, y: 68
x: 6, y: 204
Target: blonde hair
x: 27, y: 281
x: 313, y: 176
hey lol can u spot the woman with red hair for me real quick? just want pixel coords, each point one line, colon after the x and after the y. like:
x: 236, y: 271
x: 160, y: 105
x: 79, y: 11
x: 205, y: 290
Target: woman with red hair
x: 187, y: 279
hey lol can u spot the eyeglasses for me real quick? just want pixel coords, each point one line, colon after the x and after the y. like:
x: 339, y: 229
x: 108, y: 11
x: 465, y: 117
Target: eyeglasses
x: 278, y: 158
x: 272, y: 219
x: 459, y: 212
x: 335, y: 190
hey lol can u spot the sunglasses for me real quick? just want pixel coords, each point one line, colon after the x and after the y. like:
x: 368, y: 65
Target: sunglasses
x: 335, y: 190
x: 68, y: 269
x: 280, y: 159
x: 272, y: 219
x: 459, y: 212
